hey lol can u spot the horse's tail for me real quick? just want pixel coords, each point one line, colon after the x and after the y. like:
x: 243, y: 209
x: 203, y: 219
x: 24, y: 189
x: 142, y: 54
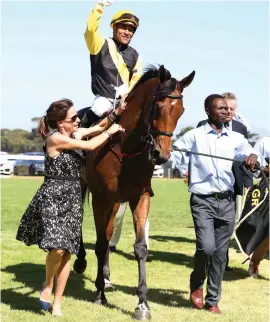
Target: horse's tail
x: 80, y: 263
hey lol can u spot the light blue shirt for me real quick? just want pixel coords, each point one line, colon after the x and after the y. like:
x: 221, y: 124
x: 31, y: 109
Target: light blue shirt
x: 209, y: 175
x: 263, y: 147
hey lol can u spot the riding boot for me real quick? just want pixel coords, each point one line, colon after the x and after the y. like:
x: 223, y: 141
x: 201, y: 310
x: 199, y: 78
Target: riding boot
x: 89, y: 118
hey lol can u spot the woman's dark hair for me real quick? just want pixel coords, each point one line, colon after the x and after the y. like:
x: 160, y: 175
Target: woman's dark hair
x: 57, y: 111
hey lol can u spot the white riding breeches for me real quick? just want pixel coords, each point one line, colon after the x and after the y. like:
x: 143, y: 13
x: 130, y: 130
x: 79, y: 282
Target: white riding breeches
x: 118, y: 222
x: 102, y: 105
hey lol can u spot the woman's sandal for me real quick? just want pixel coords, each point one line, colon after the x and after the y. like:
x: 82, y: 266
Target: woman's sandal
x: 45, y: 305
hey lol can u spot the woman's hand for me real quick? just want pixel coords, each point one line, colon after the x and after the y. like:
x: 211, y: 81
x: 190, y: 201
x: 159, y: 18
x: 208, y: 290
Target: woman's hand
x: 115, y: 128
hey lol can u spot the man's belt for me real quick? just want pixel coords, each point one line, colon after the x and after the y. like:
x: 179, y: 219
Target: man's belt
x: 219, y: 195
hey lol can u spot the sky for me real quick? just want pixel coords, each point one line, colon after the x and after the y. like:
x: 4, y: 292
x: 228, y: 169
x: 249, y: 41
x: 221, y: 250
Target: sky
x: 44, y: 56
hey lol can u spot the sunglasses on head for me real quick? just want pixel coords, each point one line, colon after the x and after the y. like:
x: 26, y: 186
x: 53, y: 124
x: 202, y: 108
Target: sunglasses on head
x: 73, y: 118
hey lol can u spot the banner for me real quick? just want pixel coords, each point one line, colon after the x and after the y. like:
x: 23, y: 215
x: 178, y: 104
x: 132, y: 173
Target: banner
x: 253, y: 226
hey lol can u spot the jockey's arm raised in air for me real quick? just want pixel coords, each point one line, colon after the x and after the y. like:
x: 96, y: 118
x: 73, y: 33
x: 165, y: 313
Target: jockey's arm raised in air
x: 94, y: 40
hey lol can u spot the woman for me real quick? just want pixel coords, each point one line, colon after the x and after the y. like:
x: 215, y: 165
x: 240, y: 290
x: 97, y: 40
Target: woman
x: 53, y: 218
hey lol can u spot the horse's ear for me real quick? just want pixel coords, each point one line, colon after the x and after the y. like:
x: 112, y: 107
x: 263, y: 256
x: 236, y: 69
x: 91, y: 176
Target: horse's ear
x: 185, y: 82
x: 163, y: 74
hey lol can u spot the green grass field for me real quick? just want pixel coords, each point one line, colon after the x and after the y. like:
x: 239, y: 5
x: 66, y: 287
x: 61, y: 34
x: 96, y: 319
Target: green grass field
x: 171, y: 242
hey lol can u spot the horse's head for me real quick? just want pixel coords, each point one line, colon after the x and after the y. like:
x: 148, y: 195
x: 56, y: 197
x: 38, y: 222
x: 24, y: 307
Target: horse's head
x: 165, y: 110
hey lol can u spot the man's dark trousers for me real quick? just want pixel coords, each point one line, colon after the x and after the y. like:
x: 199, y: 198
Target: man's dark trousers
x: 214, y: 223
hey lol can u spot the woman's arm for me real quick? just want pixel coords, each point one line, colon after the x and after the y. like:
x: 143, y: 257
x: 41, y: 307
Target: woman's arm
x: 58, y: 142
x: 104, y: 124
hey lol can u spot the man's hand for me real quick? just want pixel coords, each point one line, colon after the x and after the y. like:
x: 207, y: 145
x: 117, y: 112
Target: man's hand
x: 251, y: 161
x: 122, y: 105
x: 266, y: 170
x: 105, y: 3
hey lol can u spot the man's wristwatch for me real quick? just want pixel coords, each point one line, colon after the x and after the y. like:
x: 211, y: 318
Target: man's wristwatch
x: 112, y: 116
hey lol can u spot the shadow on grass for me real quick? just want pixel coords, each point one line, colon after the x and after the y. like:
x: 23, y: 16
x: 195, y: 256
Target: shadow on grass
x: 32, y: 275
x: 162, y: 256
x: 178, y: 239
x: 89, y: 246
x: 239, y: 273
x: 167, y: 297
x: 182, y: 259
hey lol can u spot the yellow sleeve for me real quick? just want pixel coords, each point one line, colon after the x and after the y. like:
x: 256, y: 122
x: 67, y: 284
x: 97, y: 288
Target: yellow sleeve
x: 93, y: 38
x: 137, y: 74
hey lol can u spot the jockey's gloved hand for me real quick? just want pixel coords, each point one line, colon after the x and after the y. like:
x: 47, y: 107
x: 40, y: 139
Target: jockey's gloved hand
x: 121, y: 90
x: 105, y: 3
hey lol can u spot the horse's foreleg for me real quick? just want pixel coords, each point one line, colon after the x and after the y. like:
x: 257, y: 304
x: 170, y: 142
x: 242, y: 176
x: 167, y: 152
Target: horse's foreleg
x: 80, y: 263
x: 140, y: 209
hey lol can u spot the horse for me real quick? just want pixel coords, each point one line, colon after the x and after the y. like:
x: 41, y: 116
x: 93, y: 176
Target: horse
x: 121, y: 170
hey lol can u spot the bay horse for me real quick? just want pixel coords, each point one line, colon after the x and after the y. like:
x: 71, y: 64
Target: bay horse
x: 121, y: 170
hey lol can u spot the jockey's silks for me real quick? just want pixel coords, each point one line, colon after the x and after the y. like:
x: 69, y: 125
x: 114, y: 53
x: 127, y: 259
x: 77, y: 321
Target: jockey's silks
x: 111, y: 65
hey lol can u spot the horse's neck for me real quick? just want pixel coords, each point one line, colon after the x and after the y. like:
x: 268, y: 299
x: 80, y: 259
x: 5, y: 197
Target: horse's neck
x: 133, y: 117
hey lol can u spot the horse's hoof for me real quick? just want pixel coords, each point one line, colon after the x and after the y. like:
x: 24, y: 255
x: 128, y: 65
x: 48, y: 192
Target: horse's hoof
x: 80, y: 265
x: 101, y: 302
x: 142, y: 315
x: 100, y: 299
x: 108, y: 285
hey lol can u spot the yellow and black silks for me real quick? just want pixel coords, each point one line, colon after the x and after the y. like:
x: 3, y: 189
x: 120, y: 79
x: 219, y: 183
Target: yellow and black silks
x: 111, y: 65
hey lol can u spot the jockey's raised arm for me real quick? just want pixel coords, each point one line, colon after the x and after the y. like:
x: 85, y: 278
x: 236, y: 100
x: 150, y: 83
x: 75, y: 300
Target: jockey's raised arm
x: 94, y: 40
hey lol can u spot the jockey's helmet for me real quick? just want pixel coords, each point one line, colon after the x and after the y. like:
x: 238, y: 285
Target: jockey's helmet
x: 126, y: 17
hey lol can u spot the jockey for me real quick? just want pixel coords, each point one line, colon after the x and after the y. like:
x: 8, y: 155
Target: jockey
x: 115, y: 66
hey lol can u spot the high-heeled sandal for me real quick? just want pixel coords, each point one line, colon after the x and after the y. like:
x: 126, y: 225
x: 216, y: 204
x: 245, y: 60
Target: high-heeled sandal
x: 45, y: 305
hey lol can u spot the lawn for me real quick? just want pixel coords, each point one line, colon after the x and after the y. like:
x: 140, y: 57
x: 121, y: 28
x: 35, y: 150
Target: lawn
x: 172, y: 244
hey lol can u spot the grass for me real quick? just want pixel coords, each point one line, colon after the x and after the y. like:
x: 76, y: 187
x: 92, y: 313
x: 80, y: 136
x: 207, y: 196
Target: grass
x: 172, y: 244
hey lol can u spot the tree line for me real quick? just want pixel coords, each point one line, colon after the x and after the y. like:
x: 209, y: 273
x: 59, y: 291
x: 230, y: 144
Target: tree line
x: 20, y: 141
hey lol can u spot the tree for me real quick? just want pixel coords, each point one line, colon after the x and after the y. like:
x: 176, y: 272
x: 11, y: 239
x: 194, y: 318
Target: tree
x: 20, y: 141
x: 253, y: 138
x: 182, y: 132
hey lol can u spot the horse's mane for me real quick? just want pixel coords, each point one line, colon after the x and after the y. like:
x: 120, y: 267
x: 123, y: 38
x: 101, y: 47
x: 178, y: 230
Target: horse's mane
x: 151, y: 72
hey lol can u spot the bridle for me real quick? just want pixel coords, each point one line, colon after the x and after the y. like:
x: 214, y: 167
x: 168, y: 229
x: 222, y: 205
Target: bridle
x: 153, y: 105
x: 152, y: 133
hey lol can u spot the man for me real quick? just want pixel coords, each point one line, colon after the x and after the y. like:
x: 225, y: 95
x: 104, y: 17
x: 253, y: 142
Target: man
x: 263, y: 148
x: 212, y: 200
x: 231, y: 101
x: 115, y: 65
x: 243, y: 178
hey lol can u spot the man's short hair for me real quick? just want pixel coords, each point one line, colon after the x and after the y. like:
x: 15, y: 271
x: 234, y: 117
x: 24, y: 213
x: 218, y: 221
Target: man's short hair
x: 229, y: 96
x: 209, y: 100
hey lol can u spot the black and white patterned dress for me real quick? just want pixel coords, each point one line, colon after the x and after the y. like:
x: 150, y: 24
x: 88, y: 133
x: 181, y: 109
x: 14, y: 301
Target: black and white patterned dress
x: 53, y: 218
